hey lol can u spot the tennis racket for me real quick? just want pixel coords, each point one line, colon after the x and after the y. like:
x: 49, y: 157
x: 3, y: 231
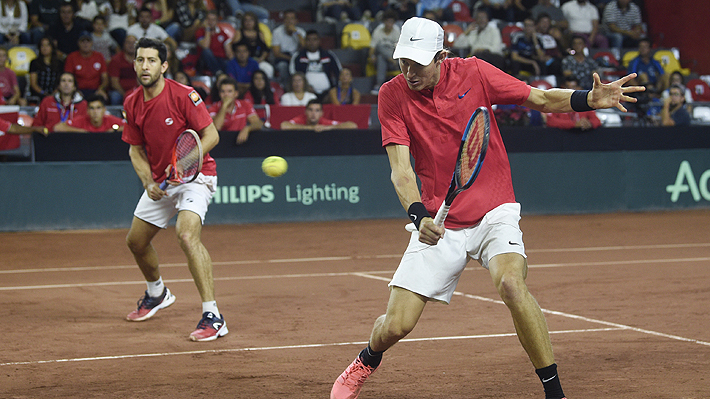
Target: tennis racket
x: 474, y: 144
x: 187, y: 159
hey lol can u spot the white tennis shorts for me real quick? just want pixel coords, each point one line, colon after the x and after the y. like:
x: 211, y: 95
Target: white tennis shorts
x: 434, y: 270
x: 194, y: 197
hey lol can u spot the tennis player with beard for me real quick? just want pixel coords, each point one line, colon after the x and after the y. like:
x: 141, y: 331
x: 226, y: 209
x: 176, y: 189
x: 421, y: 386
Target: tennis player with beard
x: 155, y: 117
x: 423, y: 113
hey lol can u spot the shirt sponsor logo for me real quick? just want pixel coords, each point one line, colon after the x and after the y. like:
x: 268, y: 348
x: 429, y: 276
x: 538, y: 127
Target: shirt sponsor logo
x: 168, y: 121
x: 196, y: 99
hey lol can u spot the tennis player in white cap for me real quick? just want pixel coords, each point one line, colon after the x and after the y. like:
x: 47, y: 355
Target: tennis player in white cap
x: 423, y: 113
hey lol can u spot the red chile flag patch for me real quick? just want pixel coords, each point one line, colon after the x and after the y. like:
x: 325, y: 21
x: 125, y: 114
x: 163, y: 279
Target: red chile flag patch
x: 196, y: 99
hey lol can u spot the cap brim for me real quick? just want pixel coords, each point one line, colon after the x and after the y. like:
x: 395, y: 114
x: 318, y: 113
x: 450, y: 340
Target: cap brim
x: 423, y: 57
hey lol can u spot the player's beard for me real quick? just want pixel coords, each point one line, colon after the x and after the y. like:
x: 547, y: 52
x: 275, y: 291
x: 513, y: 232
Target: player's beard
x: 153, y: 80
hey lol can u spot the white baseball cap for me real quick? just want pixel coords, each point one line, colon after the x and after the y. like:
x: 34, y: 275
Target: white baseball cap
x: 420, y: 40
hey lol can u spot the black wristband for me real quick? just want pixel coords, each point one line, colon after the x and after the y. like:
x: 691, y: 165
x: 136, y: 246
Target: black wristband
x: 578, y: 101
x: 417, y: 211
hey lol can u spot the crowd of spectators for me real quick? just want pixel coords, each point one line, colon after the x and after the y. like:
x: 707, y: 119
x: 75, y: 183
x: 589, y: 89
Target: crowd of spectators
x: 84, y: 50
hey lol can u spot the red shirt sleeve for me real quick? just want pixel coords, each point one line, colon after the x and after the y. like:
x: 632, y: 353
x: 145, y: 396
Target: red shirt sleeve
x: 503, y: 88
x: 195, y: 110
x: 394, y: 130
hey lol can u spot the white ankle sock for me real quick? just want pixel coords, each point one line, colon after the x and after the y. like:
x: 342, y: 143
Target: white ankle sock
x: 210, y: 306
x: 155, y: 288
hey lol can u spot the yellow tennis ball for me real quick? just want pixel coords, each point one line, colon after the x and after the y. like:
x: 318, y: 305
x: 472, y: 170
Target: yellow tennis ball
x: 274, y: 166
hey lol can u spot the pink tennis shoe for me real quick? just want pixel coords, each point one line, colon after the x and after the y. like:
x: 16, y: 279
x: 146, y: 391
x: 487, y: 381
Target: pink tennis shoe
x: 349, y: 384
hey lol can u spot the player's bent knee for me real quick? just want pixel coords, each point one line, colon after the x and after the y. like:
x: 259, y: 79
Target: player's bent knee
x: 512, y: 289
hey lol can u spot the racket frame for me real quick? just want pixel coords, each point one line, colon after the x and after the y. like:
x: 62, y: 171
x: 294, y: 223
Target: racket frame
x: 455, y: 188
x: 198, y: 148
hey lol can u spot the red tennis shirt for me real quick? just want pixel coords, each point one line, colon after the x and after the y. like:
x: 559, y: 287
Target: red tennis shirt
x: 84, y: 122
x: 156, y: 124
x: 237, y: 119
x: 431, y: 124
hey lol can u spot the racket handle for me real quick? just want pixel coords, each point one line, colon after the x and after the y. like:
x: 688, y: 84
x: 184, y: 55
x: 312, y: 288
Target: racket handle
x: 164, y: 184
x: 441, y: 214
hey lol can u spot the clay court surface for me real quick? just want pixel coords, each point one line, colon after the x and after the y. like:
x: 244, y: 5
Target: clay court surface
x: 626, y: 298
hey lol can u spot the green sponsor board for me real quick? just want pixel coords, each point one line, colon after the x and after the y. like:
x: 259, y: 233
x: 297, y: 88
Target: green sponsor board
x: 64, y: 195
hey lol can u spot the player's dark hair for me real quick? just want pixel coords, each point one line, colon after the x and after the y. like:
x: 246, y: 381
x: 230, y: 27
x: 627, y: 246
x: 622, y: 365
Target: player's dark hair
x: 149, y: 42
x: 96, y: 97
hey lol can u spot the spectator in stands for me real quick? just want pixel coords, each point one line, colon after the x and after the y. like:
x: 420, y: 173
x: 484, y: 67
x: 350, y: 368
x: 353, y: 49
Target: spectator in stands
x: 260, y: 91
x: 313, y: 119
x: 546, y: 7
x: 286, y: 40
x: 120, y: 16
x: 526, y: 51
x: 674, y: 112
x: 13, y: 22
x: 87, y: 10
x: 384, y: 39
x: 650, y: 72
x: 253, y: 37
x: 676, y: 78
x: 184, y: 79
x: 297, y: 94
x: 214, y: 44
x: 548, y: 41
x: 214, y: 94
x: 189, y: 16
x: 121, y: 72
x: 340, y: 10
x: 405, y: 9
x: 344, y: 93
x: 103, y: 42
x: 42, y: 17
x: 95, y: 121
x: 242, y: 67
x: 6, y: 127
x: 8, y: 82
x: 66, y: 104
x: 504, y: 10
x: 232, y: 114
x: 45, y: 69
x: 440, y: 8
x: 245, y: 6
x: 163, y: 11
x: 145, y: 27
x: 622, y: 21
x: 583, y: 19
x: 322, y: 67
x: 89, y: 68
x: 573, y: 120
x: 174, y: 64
x: 579, y: 65
x: 68, y: 29
x: 482, y: 40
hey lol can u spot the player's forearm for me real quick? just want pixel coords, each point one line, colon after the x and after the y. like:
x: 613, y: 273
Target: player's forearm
x: 140, y: 163
x: 403, y: 178
x: 552, y: 100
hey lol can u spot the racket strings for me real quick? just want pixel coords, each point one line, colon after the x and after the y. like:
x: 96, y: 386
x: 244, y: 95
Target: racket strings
x: 187, y: 156
x: 472, y: 151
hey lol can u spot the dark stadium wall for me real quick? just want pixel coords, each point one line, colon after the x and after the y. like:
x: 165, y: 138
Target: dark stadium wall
x: 682, y: 24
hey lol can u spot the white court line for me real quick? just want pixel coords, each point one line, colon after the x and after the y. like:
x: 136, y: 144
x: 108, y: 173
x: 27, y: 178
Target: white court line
x: 360, y: 257
x: 285, y: 347
x: 542, y: 265
x: 568, y: 315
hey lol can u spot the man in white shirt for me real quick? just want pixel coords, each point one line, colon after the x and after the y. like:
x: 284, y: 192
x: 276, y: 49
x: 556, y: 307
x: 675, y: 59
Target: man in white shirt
x: 583, y: 18
x: 384, y: 39
x: 146, y: 28
x: 482, y: 40
x: 286, y: 40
